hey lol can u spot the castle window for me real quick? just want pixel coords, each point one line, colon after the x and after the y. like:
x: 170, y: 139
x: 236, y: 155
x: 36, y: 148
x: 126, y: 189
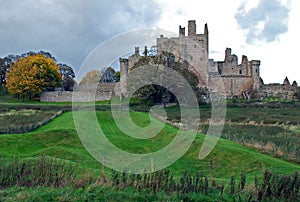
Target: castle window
x: 256, y: 70
x: 241, y: 71
x: 172, y: 58
x: 195, y: 46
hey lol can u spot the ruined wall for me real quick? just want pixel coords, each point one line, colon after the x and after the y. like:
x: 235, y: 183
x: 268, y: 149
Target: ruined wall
x: 237, y: 79
x: 231, y: 67
x: 232, y: 85
x: 168, y: 46
x: 277, y: 90
x: 83, y: 93
x: 133, y: 58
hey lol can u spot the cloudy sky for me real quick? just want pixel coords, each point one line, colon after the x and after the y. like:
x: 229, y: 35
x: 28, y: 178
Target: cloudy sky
x: 71, y: 29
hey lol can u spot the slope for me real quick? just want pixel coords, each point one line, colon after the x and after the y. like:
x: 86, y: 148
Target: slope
x: 58, y: 139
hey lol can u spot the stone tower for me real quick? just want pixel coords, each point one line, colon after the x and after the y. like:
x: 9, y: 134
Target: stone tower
x: 192, y: 28
x: 255, y: 74
x: 192, y: 48
x: 195, y: 51
x: 123, y: 76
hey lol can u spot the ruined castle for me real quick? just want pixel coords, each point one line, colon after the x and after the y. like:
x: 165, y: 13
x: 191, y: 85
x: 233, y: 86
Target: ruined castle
x: 236, y: 80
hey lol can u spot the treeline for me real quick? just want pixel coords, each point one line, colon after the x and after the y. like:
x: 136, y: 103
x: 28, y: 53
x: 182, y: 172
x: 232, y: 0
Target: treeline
x: 105, y: 75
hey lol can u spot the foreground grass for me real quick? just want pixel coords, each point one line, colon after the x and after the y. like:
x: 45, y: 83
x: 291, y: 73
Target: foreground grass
x: 59, y: 141
x: 32, y: 181
x: 101, y: 193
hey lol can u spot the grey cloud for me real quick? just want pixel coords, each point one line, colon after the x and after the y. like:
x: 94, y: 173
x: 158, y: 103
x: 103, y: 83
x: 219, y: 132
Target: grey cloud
x: 69, y: 29
x: 271, y: 13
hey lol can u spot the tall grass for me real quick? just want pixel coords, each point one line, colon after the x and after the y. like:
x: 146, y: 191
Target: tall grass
x: 272, y: 129
x: 162, y: 184
x: 44, y: 172
x: 16, y: 122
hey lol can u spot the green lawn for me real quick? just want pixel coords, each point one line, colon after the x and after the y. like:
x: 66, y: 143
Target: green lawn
x: 58, y: 139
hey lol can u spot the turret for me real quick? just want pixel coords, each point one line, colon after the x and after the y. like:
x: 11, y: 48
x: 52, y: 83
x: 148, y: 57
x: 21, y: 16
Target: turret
x: 286, y: 82
x: 192, y: 28
x: 123, y: 76
x: 136, y: 50
x: 227, y: 55
x: 207, y: 40
x: 146, y: 51
x: 181, y: 31
x: 255, y: 71
x: 245, y: 64
x: 206, y: 29
x: 295, y: 84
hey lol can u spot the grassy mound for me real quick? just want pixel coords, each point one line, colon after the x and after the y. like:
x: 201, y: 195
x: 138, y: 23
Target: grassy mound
x: 58, y: 139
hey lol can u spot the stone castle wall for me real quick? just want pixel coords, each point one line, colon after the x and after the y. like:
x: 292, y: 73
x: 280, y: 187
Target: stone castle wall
x: 276, y: 90
x: 230, y: 86
x: 82, y: 93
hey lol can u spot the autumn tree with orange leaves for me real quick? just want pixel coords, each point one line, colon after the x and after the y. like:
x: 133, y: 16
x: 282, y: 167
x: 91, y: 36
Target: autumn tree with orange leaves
x: 31, y: 75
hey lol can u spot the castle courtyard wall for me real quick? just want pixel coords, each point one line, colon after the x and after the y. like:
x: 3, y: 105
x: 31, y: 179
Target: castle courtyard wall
x: 278, y: 91
x: 83, y: 93
x: 230, y: 85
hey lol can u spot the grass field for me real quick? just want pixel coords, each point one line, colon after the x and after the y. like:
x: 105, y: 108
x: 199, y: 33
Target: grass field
x: 272, y: 129
x: 59, y: 140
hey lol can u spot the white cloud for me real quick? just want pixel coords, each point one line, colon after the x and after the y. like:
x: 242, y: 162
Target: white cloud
x: 264, y: 22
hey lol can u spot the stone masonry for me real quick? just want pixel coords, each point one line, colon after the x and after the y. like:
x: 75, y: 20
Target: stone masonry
x: 82, y: 93
x: 238, y: 80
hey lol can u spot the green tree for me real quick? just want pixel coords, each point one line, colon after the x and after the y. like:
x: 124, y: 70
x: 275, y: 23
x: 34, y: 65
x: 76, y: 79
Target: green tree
x: 4, y: 66
x: 159, y: 94
x: 31, y: 75
x: 2, y: 73
x: 117, y: 76
x: 91, y: 77
x: 108, y: 75
x: 68, y: 76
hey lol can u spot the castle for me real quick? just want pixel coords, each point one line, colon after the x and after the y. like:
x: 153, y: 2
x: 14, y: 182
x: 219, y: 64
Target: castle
x: 239, y: 80
x: 236, y: 80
